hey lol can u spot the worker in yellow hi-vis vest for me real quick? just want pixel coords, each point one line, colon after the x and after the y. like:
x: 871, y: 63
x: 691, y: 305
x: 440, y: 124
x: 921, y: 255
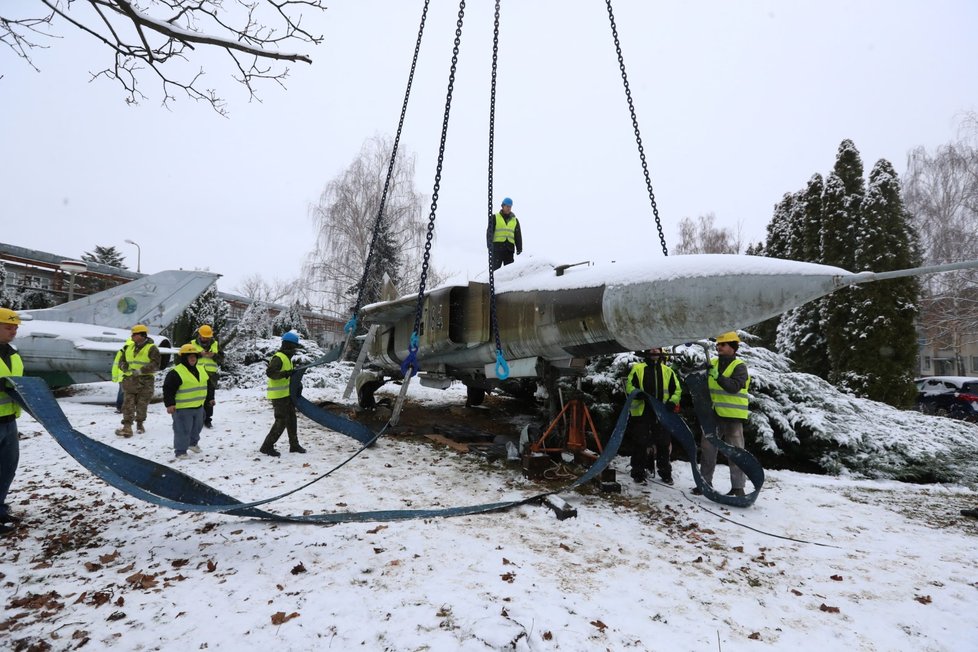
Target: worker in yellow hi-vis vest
x: 505, y: 236
x: 210, y: 360
x: 279, y: 371
x: 728, y: 381
x: 11, y: 364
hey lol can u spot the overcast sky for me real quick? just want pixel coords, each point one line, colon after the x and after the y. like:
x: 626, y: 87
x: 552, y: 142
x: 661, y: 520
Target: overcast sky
x: 738, y: 103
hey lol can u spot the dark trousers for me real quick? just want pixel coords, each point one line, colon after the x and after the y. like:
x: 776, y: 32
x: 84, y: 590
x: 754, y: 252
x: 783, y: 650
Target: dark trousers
x: 208, y: 406
x: 9, y: 458
x: 502, y: 254
x: 662, y: 441
x: 644, y: 432
x: 638, y: 433
x: 285, y: 420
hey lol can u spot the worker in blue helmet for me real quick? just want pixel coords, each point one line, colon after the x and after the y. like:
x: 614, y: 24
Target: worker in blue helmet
x: 504, y: 235
x: 279, y: 371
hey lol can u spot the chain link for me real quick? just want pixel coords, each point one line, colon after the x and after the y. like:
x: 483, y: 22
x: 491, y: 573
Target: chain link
x: 390, y: 166
x: 638, y: 135
x: 419, y: 308
x: 490, y: 204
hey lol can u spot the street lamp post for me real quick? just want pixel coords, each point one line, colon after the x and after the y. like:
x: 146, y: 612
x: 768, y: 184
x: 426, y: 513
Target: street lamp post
x: 139, y: 256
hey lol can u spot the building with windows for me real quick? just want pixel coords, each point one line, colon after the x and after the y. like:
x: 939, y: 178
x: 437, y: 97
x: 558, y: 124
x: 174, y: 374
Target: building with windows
x: 53, y: 275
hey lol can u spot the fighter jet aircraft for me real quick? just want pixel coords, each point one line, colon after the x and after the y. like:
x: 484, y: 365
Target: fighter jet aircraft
x: 552, y: 317
x: 77, y: 341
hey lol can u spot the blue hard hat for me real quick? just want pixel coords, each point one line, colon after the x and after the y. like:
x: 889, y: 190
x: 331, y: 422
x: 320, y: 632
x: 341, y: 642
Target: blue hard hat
x: 507, y: 201
x: 290, y: 337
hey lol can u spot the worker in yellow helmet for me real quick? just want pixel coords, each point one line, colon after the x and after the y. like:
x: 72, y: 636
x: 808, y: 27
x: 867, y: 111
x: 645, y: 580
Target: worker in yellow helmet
x: 140, y: 362
x: 11, y: 364
x: 186, y: 391
x: 728, y: 381
x: 209, y: 360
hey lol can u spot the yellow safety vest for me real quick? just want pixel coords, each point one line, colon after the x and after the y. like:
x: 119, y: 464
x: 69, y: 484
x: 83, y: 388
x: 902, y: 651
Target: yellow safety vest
x: 208, y: 364
x: 725, y: 404
x: 505, y: 231
x: 192, y: 391
x: 637, y: 408
x: 279, y: 387
x: 16, y: 368
x: 118, y: 374
x: 137, y: 361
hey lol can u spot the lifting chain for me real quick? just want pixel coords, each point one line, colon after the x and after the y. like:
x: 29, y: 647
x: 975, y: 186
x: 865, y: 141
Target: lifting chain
x: 638, y: 135
x: 351, y: 325
x: 410, y: 363
x: 502, y: 369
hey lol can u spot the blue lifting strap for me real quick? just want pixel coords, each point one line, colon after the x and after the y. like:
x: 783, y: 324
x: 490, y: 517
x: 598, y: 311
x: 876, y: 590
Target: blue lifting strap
x: 696, y: 384
x: 160, y: 485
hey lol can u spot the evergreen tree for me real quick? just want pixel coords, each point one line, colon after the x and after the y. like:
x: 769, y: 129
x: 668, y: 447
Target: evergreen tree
x: 801, y: 334
x: 842, y: 224
x: 86, y: 284
x: 8, y: 298
x: 34, y: 299
x: 105, y: 256
x: 254, y: 323
x: 777, y: 245
x: 290, y: 320
x: 384, y: 261
x: 881, y: 357
x: 207, y: 308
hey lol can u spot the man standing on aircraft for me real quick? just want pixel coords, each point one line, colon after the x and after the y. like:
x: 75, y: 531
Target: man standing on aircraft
x: 140, y: 362
x: 186, y: 390
x: 505, y: 235
x: 209, y: 360
x: 660, y: 382
x: 279, y: 370
x: 10, y: 365
x: 728, y: 380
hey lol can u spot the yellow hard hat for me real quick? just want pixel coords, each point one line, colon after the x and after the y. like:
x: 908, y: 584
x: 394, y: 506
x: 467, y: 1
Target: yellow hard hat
x: 728, y: 337
x: 205, y: 331
x: 190, y: 347
x: 140, y: 328
x: 8, y: 316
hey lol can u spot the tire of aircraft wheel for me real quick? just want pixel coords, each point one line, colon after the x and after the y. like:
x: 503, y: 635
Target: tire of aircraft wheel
x: 474, y: 395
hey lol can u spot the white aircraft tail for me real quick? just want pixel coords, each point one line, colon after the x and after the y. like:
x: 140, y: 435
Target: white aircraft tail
x: 155, y: 300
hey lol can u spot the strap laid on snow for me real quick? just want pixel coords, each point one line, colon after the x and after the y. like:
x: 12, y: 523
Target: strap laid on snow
x: 696, y: 384
x: 160, y: 485
x: 325, y: 418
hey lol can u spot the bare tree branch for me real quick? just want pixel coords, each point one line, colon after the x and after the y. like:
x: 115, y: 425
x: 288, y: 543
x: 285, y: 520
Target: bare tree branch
x: 143, y: 41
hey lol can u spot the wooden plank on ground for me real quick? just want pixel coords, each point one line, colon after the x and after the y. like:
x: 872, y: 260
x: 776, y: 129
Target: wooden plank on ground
x: 454, y: 445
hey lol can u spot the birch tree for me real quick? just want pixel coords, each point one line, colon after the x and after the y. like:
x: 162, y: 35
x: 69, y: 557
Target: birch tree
x: 345, y: 218
x: 165, y: 41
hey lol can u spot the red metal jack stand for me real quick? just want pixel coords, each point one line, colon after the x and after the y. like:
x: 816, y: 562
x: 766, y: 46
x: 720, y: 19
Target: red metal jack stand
x: 578, y: 418
x: 579, y: 426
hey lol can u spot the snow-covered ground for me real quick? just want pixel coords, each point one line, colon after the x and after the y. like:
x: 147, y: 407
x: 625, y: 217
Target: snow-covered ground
x: 818, y: 561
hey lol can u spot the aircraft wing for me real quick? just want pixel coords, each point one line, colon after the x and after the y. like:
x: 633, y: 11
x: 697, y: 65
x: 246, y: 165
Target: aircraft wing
x: 155, y: 300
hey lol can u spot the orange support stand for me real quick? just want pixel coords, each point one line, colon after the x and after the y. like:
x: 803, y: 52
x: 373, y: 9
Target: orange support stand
x: 579, y: 426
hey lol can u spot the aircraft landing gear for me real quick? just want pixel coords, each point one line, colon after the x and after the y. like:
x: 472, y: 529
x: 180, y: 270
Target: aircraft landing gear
x: 368, y: 382
x: 474, y: 396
